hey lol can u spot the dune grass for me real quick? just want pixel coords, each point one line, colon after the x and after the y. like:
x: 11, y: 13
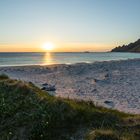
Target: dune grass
x: 102, y: 134
x: 27, y: 113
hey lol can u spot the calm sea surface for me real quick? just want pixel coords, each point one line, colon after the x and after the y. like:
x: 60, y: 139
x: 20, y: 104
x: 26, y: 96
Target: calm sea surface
x: 17, y: 59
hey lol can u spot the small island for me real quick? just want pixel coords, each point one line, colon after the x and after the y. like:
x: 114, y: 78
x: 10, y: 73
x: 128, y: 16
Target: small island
x: 132, y: 47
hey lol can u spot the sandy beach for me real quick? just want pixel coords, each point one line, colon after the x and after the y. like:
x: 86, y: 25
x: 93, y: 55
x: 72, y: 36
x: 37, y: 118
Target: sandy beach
x: 113, y: 84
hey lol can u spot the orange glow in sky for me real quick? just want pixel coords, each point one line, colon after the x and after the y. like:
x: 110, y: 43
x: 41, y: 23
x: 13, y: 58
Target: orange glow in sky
x: 55, y: 47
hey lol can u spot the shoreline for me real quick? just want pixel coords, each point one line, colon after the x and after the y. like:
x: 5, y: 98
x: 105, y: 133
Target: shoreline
x: 113, y: 84
x: 25, y: 59
x: 31, y: 65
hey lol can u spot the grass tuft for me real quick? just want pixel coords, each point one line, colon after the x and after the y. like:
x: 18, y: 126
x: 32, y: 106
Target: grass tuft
x: 102, y: 135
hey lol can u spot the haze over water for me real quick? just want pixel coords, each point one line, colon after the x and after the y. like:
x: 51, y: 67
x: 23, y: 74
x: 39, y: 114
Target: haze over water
x: 18, y: 59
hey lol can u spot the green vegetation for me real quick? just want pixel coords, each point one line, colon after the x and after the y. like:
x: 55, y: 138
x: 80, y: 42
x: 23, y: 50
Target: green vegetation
x: 102, y: 135
x: 3, y: 77
x: 27, y: 113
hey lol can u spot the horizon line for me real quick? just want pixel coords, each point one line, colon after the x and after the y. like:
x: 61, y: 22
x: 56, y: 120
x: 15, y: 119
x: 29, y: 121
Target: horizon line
x: 57, y: 52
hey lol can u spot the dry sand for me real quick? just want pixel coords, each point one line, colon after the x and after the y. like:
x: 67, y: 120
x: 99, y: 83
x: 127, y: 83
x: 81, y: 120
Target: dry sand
x: 113, y: 84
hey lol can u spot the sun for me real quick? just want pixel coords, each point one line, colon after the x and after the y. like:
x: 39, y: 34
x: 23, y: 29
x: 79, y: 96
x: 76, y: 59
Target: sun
x: 49, y: 46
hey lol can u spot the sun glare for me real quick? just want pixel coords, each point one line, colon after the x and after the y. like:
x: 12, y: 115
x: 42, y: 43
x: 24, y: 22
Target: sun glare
x: 48, y: 46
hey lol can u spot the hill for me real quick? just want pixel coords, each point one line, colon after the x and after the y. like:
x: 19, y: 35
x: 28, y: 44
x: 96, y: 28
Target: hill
x: 132, y: 47
x: 28, y: 113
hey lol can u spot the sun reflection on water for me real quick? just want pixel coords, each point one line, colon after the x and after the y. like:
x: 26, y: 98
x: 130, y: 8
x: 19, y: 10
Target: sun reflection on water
x: 48, y: 59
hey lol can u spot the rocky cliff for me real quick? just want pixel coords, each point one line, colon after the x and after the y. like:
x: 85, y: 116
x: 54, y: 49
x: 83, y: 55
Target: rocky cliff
x: 132, y: 47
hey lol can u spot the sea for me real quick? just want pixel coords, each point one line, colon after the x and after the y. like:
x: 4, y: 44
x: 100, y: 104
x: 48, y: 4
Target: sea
x: 21, y: 59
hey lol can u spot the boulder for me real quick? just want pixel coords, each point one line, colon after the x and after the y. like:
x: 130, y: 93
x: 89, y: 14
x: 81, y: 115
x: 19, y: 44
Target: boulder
x: 109, y: 103
x: 48, y: 87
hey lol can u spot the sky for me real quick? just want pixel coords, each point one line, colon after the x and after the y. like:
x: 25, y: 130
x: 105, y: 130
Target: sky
x: 70, y: 25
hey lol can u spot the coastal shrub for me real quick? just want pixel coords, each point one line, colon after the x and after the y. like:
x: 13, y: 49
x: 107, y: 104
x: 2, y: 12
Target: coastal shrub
x: 3, y: 77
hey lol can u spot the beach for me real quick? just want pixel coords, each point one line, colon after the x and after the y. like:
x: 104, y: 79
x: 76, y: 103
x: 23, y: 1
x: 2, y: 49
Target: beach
x: 112, y: 84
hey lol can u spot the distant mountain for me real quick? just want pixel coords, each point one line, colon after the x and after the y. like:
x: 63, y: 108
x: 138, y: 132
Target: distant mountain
x: 132, y: 47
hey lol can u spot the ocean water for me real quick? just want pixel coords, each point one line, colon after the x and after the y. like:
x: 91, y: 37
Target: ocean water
x: 18, y: 59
